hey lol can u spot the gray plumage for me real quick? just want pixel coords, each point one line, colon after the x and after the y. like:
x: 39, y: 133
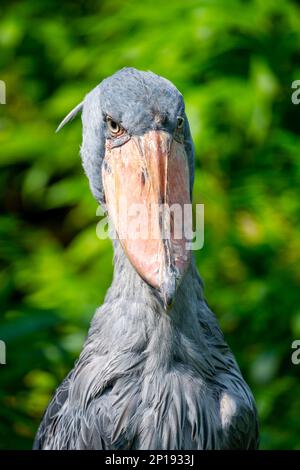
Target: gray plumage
x: 147, y: 379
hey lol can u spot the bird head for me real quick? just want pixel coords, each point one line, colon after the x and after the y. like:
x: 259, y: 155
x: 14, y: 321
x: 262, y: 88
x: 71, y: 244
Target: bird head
x: 137, y: 152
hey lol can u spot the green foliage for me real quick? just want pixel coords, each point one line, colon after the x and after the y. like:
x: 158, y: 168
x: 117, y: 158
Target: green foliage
x: 234, y: 62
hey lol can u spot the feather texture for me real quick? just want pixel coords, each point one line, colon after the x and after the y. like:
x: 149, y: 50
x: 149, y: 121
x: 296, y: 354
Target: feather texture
x: 148, y: 380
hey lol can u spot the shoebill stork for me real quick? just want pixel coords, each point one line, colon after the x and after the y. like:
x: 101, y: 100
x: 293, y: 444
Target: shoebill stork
x: 155, y: 371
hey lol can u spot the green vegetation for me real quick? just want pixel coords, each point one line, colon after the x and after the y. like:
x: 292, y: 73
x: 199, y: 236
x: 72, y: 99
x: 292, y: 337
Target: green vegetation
x: 234, y: 61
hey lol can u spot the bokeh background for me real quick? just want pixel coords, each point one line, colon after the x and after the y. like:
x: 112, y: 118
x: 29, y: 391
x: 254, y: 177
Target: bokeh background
x: 234, y: 61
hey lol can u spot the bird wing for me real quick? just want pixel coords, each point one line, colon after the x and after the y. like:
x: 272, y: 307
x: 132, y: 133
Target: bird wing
x: 240, y: 424
x: 50, y: 414
x: 93, y: 427
x: 242, y: 432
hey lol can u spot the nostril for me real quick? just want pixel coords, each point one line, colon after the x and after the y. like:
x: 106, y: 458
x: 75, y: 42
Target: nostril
x: 144, y: 176
x: 106, y: 167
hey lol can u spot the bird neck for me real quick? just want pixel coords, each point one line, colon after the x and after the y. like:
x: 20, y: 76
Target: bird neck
x: 132, y: 323
x: 127, y: 285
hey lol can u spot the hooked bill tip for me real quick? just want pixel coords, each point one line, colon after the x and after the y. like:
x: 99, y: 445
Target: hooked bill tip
x: 169, y: 288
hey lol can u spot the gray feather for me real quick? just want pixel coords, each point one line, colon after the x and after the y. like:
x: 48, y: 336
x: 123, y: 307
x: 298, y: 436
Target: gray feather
x: 70, y: 116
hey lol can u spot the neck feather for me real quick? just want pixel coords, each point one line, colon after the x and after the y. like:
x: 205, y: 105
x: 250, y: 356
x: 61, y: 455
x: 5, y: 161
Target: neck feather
x: 129, y: 286
x: 132, y: 329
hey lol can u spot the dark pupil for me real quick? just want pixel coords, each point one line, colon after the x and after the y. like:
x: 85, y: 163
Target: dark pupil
x: 114, y: 125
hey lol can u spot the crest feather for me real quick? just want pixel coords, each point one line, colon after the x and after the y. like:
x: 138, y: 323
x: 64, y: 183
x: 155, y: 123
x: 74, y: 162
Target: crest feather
x: 70, y: 116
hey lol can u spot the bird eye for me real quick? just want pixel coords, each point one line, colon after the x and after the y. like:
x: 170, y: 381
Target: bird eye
x: 114, y: 128
x: 180, y: 122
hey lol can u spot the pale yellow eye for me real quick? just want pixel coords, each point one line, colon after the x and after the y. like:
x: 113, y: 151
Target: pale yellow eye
x: 180, y: 122
x: 113, y: 127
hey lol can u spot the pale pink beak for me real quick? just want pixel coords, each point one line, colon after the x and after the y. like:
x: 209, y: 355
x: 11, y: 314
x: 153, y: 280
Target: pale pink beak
x: 142, y: 179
